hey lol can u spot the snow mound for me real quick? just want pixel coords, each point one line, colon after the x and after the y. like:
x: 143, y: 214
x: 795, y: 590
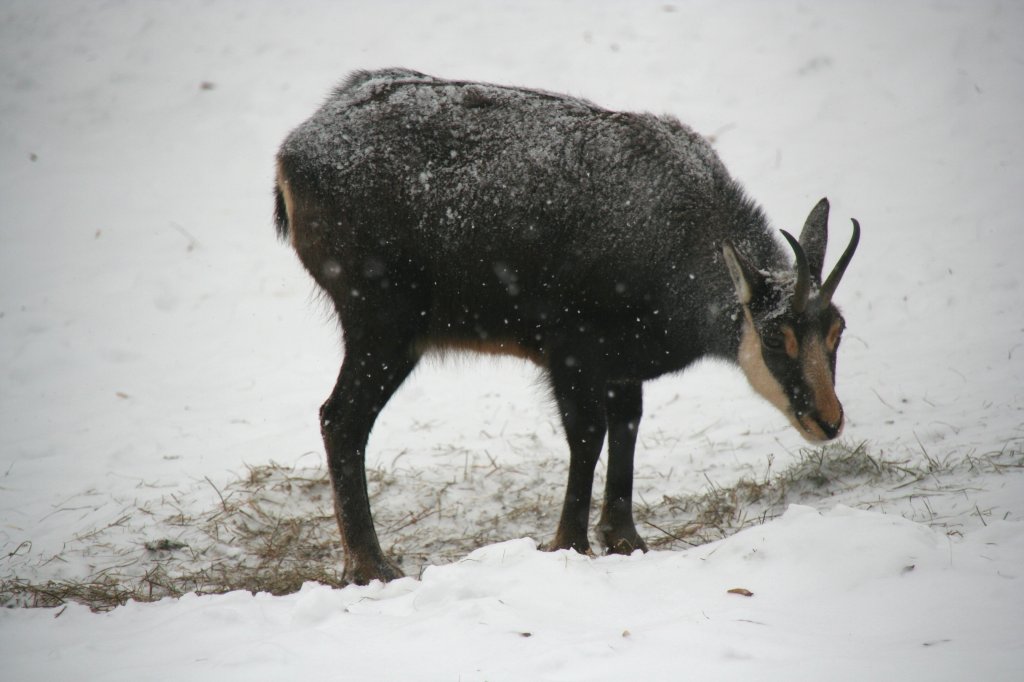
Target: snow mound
x: 904, y: 595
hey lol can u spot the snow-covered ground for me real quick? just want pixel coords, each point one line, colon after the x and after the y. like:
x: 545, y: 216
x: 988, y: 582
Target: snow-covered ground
x: 156, y: 340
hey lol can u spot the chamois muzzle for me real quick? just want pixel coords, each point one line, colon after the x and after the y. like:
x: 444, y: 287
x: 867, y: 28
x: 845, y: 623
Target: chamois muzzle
x: 819, y: 430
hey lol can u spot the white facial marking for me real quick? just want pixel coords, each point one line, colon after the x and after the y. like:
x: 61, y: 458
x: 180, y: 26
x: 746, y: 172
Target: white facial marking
x: 817, y: 375
x: 752, y: 363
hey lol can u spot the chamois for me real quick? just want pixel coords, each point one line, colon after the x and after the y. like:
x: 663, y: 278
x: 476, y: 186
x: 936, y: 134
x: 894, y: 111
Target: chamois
x: 609, y: 248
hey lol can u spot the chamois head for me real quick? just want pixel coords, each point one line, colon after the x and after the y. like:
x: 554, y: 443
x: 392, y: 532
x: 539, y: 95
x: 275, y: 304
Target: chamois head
x: 791, y: 330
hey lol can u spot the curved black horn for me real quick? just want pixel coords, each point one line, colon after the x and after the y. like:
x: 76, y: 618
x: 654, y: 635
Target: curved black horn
x: 803, y: 274
x: 829, y: 287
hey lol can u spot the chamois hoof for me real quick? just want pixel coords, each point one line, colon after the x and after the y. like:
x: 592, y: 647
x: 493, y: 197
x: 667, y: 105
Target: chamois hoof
x: 620, y: 538
x: 577, y: 545
x: 625, y: 544
x: 363, y: 573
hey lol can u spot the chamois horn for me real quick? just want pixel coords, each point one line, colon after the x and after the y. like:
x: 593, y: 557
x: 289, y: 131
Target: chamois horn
x: 803, y: 274
x: 829, y: 287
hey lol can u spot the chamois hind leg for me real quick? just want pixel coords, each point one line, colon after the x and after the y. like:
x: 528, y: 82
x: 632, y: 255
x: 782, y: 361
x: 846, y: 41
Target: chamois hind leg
x: 579, y: 390
x: 624, y: 407
x: 371, y: 372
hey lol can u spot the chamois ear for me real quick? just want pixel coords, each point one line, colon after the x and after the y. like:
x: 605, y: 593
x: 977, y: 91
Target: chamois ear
x: 814, y: 238
x: 745, y: 277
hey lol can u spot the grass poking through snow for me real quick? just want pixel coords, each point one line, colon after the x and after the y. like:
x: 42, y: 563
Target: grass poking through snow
x: 272, y: 528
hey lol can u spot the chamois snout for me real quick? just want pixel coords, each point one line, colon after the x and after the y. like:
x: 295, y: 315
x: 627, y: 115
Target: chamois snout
x: 820, y: 426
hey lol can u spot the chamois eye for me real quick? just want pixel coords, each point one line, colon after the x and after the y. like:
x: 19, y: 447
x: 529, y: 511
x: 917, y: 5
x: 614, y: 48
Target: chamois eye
x: 773, y: 342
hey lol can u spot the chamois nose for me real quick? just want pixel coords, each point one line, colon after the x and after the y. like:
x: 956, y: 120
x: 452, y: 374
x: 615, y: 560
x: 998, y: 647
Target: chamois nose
x: 830, y: 430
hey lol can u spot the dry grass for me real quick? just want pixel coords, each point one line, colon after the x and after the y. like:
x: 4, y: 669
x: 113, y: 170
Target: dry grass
x: 721, y: 511
x: 248, y: 541
x: 272, y: 528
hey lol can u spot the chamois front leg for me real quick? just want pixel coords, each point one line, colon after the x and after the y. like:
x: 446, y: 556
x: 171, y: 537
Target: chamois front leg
x: 368, y: 378
x: 616, y: 528
x: 579, y: 390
